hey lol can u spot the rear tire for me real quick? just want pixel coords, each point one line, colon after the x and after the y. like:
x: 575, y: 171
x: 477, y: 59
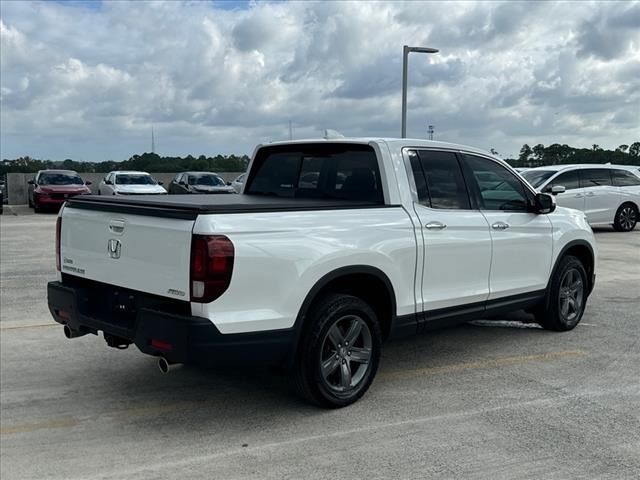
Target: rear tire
x: 339, y: 352
x: 567, y: 296
x: 626, y: 218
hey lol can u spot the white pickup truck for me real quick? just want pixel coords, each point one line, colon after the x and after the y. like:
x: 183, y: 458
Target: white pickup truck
x: 332, y: 248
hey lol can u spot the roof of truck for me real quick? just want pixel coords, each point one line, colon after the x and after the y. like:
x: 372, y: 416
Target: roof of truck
x: 391, y: 141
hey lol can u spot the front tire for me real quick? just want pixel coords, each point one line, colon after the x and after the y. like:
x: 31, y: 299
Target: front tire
x: 339, y: 351
x: 626, y: 218
x: 566, y: 298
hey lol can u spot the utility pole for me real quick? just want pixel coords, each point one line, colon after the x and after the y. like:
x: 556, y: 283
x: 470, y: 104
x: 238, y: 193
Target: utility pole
x: 430, y: 130
x: 153, y: 141
x: 290, y: 130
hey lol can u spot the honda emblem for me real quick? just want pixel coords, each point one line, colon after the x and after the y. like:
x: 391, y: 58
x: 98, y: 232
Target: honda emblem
x: 113, y: 247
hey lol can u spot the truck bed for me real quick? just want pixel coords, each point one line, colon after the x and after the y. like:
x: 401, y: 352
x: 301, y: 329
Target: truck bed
x: 190, y: 206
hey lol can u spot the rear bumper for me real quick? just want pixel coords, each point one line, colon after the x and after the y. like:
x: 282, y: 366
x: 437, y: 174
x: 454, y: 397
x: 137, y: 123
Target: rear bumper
x: 177, y: 337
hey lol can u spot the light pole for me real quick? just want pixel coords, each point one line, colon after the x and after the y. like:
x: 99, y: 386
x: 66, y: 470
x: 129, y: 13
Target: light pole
x: 405, y: 59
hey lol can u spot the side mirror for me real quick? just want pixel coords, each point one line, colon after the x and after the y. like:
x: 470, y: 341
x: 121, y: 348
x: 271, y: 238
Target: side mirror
x: 181, y: 182
x: 87, y: 183
x: 228, y: 184
x: 31, y: 182
x: 160, y: 183
x: 544, y: 203
x: 556, y: 189
x: 108, y: 182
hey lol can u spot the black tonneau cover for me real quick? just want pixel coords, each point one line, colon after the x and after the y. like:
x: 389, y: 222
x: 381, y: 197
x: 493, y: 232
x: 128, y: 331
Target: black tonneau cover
x: 190, y: 206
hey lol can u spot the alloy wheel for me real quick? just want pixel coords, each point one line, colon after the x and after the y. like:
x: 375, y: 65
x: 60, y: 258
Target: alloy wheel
x: 571, y: 295
x: 627, y: 218
x: 345, y: 354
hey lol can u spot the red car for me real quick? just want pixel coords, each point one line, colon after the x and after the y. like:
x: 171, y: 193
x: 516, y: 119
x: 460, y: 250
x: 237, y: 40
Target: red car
x: 50, y: 188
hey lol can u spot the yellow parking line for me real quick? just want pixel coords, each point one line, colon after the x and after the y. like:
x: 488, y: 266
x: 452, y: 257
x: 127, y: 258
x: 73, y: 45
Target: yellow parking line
x: 490, y: 363
x: 36, y: 325
x: 65, y: 422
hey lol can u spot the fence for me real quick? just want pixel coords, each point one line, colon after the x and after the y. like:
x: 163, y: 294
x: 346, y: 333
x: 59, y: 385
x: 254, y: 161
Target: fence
x: 16, y: 183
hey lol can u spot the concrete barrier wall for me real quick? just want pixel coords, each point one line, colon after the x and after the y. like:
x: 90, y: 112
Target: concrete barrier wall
x: 17, y: 183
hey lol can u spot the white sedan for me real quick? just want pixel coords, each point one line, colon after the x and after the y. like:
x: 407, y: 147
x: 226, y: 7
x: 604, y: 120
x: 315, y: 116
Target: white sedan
x: 608, y: 194
x: 130, y: 183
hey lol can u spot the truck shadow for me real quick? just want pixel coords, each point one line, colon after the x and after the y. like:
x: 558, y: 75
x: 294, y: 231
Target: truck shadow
x: 241, y: 399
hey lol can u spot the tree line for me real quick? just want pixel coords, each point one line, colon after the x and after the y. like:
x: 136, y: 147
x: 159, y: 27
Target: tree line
x: 148, y: 162
x: 557, y: 154
x: 535, y: 156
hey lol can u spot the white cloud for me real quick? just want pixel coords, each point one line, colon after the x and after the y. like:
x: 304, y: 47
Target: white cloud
x: 88, y: 83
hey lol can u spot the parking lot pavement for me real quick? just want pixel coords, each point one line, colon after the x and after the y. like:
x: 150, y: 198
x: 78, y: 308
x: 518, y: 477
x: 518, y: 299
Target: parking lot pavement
x: 486, y: 400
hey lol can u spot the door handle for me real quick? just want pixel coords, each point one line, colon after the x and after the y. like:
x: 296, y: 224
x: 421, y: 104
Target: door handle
x: 578, y: 195
x: 590, y: 194
x: 500, y: 226
x: 435, y: 226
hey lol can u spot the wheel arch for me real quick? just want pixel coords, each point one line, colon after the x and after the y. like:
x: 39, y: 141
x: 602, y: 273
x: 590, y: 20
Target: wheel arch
x: 582, y: 250
x: 363, y: 281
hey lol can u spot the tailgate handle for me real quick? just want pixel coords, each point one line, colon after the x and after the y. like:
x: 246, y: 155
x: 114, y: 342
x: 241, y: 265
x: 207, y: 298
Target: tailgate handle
x: 116, y: 226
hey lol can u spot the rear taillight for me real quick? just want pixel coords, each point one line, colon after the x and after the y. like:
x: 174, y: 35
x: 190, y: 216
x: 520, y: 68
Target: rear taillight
x: 58, y: 229
x: 211, y: 266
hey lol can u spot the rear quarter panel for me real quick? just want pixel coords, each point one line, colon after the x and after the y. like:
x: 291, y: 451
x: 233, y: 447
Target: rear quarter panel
x: 280, y: 256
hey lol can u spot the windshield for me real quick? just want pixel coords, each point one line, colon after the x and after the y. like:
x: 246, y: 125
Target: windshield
x: 135, y: 179
x: 537, y: 177
x: 59, y: 179
x: 207, y: 180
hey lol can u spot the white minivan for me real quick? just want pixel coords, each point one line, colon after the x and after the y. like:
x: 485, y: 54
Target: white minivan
x: 608, y: 194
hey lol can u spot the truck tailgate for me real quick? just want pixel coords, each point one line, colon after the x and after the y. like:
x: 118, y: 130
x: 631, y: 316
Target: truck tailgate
x: 143, y: 253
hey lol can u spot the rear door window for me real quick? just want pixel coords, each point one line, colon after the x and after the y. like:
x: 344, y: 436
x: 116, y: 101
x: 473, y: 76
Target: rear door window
x: 439, y: 180
x: 330, y: 171
x: 595, y: 177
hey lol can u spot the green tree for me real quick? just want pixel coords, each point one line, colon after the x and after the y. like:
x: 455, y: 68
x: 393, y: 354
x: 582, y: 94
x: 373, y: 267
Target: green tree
x: 525, y: 154
x: 634, y: 149
x: 538, y: 153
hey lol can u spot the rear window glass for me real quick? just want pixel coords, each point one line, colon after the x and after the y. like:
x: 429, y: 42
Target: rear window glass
x: 329, y: 171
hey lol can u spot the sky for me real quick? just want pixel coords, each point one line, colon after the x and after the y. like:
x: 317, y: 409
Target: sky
x: 89, y: 80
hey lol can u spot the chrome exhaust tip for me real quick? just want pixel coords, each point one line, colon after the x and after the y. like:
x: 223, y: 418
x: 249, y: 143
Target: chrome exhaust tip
x: 165, y: 366
x: 71, y: 333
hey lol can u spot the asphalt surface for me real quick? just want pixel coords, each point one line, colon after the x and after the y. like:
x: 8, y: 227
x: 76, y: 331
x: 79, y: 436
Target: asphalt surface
x: 501, y: 400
